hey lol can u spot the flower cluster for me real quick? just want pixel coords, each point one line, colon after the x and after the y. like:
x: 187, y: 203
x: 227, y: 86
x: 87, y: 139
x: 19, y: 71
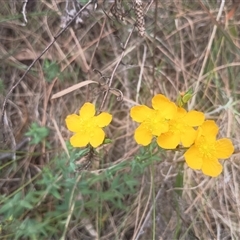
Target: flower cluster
x: 174, y: 126
x: 171, y: 125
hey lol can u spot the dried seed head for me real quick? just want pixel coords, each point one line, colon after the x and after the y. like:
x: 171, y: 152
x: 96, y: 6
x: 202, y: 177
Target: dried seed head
x: 138, y: 8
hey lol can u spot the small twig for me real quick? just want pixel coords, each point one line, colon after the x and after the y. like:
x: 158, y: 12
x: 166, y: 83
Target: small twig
x: 114, y: 70
x: 141, y: 73
x: 24, y: 11
x: 120, y: 97
x: 34, y: 61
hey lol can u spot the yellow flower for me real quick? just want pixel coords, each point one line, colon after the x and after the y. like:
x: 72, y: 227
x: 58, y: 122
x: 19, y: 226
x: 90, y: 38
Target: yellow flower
x: 206, y: 151
x: 87, y: 127
x: 153, y: 121
x: 181, y: 129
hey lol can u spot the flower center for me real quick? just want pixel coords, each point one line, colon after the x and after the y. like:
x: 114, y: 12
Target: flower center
x: 87, y: 125
x: 177, y: 126
x: 207, y: 149
x: 156, y: 123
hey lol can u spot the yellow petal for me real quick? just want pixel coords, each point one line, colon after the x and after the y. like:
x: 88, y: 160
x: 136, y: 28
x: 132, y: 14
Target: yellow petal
x: 181, y: 112
x: 193, y: 158
x: 194, y: 118
x: 87, y: 111
x: 97, y: 137
x: 169, y: 110
x: 141, y: 113
x: 188, y: 137
x: 224, y: 148
x: 159, y: 101
x: 103, y: 119
x: 142, y: 135
x: 73, y: 123
x: 168, y: 140
x: 162, y: 104
x: 79, y: 139
x: 211, y: 167
x: 209, y: 129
